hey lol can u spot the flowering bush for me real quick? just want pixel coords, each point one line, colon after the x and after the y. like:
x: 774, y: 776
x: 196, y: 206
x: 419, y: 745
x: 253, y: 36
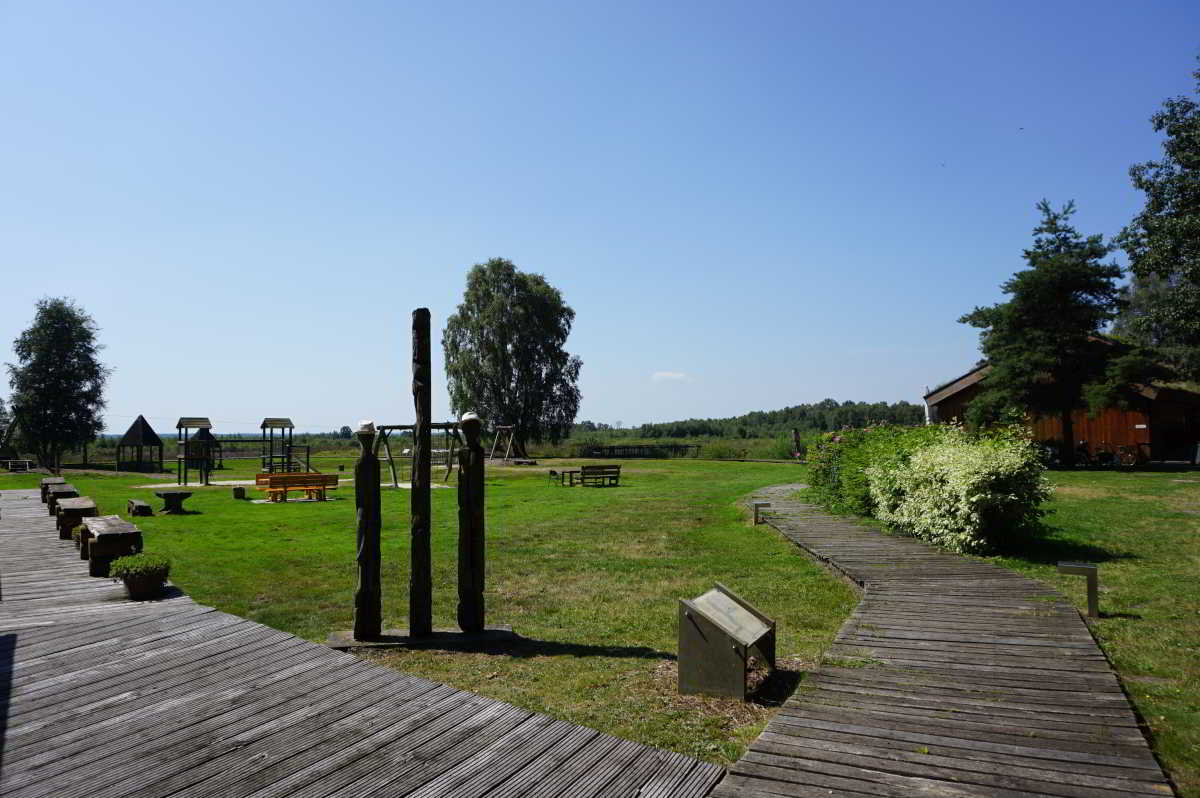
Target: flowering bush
x: 838, y: 461
x: 967, y: 493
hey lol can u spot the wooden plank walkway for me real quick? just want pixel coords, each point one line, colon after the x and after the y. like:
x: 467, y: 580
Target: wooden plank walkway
x: 100, y: 696
x: 960, y: 678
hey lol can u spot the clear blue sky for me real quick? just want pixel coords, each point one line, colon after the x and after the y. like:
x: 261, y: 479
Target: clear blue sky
x: 749, y: 205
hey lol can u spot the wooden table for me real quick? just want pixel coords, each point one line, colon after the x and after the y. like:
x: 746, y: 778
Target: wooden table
x: 568, y: 477
x: 173, y: 500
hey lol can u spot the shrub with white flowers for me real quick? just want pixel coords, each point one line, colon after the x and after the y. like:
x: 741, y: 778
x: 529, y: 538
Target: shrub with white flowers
x: 966, y: 493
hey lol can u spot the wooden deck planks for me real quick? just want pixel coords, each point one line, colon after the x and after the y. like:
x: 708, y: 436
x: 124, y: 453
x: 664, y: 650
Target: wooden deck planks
x: 100, y: 696
x: 953, y: 677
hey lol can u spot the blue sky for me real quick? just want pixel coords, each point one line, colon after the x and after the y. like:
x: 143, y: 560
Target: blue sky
x: 748, y: 205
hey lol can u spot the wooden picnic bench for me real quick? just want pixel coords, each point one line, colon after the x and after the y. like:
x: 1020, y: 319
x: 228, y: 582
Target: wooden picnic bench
x: 600, y: 475
x: 277, y: 486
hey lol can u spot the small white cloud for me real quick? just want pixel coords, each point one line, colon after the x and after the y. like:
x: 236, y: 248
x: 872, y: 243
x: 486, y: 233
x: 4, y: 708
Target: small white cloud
x: 670, y: 376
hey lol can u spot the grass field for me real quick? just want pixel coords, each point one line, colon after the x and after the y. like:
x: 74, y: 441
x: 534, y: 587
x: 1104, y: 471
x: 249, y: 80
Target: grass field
x: 589, y: 578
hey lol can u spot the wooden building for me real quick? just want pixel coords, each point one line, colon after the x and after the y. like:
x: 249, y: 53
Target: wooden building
x: 1162, y: 423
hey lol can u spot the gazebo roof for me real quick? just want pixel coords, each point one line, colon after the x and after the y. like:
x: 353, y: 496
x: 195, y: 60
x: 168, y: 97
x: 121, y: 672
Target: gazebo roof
x: 276, y: 423
x: 140, y: 433
x: 203, y: 434
x: 193, y: 422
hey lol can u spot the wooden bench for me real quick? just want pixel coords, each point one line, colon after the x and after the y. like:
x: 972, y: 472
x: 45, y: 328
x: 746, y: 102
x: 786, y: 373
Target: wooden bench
x: 278, y: 486
x: 600, y: 475
x: 138, y: 507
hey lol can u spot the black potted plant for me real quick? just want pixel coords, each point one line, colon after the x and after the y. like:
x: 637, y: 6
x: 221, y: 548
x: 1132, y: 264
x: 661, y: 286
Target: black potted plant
x: 143, y: 574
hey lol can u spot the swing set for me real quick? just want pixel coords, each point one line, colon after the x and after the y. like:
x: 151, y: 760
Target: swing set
x: 449, y: 431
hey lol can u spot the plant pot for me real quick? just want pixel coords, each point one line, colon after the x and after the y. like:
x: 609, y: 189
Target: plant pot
x: 143, y: 586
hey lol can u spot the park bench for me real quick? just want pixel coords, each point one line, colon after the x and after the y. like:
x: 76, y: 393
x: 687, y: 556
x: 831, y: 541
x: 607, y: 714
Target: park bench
x: 278, y: 486
x: 138, y: 507
x: 600, y: 475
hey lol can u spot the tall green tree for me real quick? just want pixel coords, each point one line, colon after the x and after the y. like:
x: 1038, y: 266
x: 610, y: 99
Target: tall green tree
x: 58, y: 381
x: 1044, y: 343
x: 1163, y: 241
x: 504, y: 354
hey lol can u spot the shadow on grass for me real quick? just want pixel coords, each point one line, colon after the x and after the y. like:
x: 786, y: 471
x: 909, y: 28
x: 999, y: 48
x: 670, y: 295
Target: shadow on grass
x: 1048, y: 548
x: 525, y: 648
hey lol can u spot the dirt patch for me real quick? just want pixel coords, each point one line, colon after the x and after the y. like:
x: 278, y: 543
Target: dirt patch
x: 768, y: 692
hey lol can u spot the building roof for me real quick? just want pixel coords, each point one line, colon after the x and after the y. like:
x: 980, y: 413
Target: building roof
x: 193, y: 422
x: 954, y: 386
x: 140, y: 433
x: 975, y: 375
x: 276, y: 423
x: 203, y: 434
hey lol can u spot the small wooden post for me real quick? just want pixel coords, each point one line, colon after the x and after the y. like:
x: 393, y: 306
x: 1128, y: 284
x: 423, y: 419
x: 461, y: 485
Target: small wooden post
x: 368, y: 610
x: 1093, y: 583
x: 420, y: 585
x: 470, y: 526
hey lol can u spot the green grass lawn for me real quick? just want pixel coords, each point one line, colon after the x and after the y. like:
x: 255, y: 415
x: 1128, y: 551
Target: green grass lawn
x: 1143, y: 529
x: 588, y: 577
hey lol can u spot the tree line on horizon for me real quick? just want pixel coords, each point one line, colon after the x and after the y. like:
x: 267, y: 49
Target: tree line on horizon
x: 823, y: 416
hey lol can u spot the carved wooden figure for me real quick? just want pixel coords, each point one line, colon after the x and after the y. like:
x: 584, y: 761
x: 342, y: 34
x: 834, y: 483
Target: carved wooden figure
x: 368, y: 612
x: 470, y: 526
x: 420, y: 585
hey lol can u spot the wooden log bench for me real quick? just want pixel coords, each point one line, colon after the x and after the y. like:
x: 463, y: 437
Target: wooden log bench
x: 107, y: 537
x: 138, y: 507
x: 278, y: 486
x: 57, y: 493
x: 71, y: 513
x: 600, y: 475
x: 47, y: 483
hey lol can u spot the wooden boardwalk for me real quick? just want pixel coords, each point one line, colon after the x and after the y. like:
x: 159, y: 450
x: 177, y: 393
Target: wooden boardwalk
x: 100, y: 696
x: 955, y: 677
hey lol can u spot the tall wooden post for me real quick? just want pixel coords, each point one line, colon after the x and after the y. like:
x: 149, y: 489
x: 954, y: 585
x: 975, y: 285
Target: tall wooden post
x: 470, y: 527
x: 420, y: 585
x: 368, y: 611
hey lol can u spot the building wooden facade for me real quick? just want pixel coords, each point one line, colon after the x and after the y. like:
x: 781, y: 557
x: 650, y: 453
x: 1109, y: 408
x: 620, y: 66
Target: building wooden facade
x: 1162, y: 423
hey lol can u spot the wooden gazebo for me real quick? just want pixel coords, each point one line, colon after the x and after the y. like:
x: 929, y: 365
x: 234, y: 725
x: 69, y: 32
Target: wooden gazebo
x: 138, y: 438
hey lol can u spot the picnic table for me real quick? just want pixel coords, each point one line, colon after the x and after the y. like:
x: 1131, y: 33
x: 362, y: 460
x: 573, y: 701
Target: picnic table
x: 598, y: 475
x: 173, y: 499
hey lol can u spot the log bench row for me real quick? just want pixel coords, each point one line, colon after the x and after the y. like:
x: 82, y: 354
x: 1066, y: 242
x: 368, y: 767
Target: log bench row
x: 99, y: 538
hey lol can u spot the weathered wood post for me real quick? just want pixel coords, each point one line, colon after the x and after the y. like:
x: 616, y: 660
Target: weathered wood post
x: 420, y: 585
x: 470, y: 526
x: 368, y: 611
